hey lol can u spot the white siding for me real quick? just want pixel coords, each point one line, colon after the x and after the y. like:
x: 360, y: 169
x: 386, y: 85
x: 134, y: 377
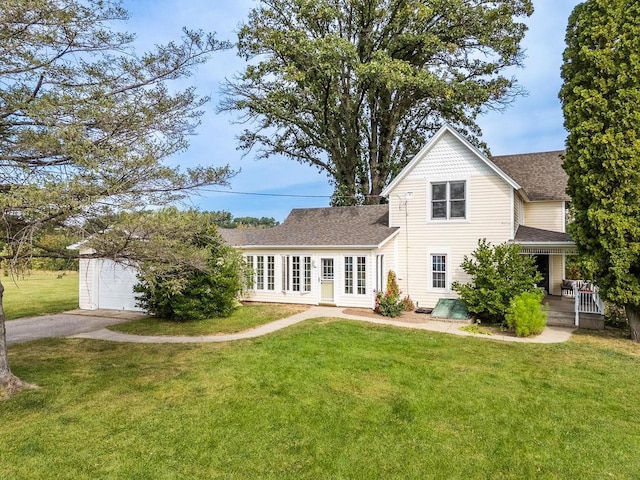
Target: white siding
x: 518, y: 211
x: 88, y: 298
x: 449, y: 158
x: 545, y: 215
x: 489, y: 215
x: 341, y: 299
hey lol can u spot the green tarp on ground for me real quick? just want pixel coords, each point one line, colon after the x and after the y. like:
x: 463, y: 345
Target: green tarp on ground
x: 450, y: 308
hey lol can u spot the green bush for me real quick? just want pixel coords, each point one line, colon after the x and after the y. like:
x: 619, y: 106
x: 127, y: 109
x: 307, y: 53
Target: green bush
x: 388, y: 303
x: 499, y: 273
x: 181, y: 294
x: 526, y: 315
x: 614, y: 316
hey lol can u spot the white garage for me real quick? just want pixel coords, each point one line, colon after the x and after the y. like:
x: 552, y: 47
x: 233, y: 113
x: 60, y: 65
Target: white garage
x: 106, y: 284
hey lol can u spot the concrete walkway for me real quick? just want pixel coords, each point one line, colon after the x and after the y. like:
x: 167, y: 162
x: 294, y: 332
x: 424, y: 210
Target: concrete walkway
x: 550, y: 334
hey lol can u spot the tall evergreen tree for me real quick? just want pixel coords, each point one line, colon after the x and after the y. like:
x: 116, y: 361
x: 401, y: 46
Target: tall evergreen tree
x: 354, y: 87
x: 600, y: 99
x: 85, y: 123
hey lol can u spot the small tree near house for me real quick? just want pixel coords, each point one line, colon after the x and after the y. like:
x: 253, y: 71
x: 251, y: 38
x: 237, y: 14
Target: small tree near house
x: 389, y: 303
x: 498, y: 274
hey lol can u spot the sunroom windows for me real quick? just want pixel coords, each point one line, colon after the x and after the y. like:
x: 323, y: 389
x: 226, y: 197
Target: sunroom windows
x: 296, y: 273
x: 262, y: 271
x: 355, y: 275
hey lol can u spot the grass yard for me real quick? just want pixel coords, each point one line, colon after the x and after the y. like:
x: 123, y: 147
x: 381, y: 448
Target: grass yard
x: 325, y: 399
x: 39, y: 293
x: 242, y: 318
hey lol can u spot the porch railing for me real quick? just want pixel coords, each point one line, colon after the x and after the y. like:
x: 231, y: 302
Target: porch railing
x: 587, y: 300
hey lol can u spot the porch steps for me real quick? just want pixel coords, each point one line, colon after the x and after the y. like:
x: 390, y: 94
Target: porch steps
x: 560, y: 312
x: 558, y: 318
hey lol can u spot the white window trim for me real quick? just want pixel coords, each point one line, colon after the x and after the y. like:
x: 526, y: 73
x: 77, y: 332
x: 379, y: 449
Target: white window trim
x: 265, y: 272
x: 447, y: 255
x: 286, y: 276
x: 467, y: 199
x: 367, y: 274
x: 381, y: 278
x: 251, y: 265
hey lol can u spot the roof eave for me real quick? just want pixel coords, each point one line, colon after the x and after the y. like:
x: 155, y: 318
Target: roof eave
x: 392, y: 236
x: 307, y: 247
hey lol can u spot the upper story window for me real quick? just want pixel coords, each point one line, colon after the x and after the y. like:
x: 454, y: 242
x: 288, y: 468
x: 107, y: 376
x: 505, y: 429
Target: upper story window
x: 448, y: 200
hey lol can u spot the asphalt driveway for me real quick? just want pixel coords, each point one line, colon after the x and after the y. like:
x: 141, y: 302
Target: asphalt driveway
x: 64, y: 324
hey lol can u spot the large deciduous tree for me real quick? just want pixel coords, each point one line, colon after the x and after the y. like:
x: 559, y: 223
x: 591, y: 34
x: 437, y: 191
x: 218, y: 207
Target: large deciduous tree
x: 354, y: 87
x: 600, y: 98
x: 85, y: 123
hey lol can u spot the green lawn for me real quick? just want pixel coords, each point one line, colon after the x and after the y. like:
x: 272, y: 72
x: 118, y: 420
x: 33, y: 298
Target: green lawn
x: 325, y: 399
x: 242, y: 318
x: 39, y: 293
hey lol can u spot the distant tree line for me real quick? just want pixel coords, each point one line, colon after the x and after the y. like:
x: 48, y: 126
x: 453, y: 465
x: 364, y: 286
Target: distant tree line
x: 225, y: 219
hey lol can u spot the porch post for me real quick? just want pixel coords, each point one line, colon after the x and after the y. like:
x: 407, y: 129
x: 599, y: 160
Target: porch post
x: 576, y: 299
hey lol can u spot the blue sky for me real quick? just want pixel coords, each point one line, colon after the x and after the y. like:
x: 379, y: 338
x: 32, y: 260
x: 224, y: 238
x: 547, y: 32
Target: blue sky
x: 532, y: 123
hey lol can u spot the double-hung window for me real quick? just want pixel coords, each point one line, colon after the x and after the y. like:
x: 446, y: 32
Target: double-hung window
x: 348, y: 274
x: 439, y: 271
x: 260, y: 272
x: 448, y: 200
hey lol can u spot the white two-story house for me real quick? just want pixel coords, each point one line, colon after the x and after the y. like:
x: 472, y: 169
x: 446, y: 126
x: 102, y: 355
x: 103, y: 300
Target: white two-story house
x: 446, y: 199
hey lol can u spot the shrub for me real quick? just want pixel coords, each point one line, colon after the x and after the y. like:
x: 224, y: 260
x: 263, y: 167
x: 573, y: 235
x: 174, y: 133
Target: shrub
x: 186, y: 271
x: 499, y: 273
x: 388, y: 303
x: 526, y: 315
x: 407, y: 304
x: 191, y: 294
x: 614, y: 316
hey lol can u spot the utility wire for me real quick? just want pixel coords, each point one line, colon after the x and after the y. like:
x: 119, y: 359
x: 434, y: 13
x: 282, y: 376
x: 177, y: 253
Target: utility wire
x: 290, y: 195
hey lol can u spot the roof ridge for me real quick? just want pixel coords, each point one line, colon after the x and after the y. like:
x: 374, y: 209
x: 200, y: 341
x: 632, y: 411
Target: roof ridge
x: 547, y: 152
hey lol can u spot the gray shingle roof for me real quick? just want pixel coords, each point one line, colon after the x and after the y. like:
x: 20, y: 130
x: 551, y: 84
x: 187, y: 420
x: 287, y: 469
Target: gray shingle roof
x: 538, y: 235
x: 540, y: 175
x: 364, y: 226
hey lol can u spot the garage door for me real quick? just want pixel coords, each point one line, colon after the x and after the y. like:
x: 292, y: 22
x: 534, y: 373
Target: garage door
x: 115, y: 288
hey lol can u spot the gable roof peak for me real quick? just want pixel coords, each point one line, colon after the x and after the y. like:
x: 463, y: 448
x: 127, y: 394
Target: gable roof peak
x: 447, y: 128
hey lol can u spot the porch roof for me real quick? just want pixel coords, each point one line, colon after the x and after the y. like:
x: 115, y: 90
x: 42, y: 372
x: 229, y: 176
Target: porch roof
x: 543, y: 242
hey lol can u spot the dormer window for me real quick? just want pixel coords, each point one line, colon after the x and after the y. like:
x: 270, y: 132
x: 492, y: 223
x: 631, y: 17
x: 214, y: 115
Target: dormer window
x: 448, y: 200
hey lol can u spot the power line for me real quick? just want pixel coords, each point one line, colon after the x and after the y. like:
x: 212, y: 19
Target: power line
x: 267, y: 194
x: 290, y: 195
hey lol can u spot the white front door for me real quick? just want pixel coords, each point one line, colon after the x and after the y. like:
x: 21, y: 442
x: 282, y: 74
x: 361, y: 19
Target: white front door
x: 327, y: 294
